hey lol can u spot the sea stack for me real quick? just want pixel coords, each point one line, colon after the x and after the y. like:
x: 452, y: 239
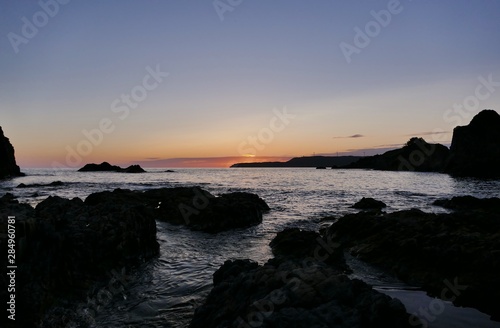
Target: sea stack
x: 8, y: 166
x: 475, y: 148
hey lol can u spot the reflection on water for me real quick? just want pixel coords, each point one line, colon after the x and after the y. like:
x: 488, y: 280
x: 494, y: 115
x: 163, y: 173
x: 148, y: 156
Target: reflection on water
x: 165, y: 291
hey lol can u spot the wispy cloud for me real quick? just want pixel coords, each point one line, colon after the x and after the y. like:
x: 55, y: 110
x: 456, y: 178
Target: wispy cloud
x: 350, y: 137
x: 427, y: 133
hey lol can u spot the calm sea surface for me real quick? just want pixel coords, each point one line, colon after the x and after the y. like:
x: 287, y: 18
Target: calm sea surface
x: 165, y: 291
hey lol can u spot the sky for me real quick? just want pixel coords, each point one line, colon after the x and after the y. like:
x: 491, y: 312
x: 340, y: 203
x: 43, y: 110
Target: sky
x: 210, y: 83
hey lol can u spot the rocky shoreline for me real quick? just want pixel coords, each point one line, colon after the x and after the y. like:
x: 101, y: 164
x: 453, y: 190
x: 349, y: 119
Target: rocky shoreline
x: 76, y: 248
x: 459, y: 251
x: 71, y: 249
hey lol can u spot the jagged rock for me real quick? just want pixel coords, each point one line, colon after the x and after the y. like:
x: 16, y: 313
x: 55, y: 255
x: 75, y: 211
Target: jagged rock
x: 8, y: 166
x: 106, y: 167
x: 416, y: 155
x: 475, y: 148
x: 431, y: 250
x: 65, y: 248
x: 294, y: 294
x: 369, y: 204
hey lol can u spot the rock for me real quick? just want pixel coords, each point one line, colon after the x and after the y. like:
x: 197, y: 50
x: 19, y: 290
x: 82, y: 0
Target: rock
x: 169, y: 171
x: 294, y: 294
x: 8, y: 166
x: 67, y: 248
x: 475, y: 148
x: 106, y: 167
x: 134, y: 169
x: 52, y: 184
x: 369, y: 204
x: 469, y: 203
x: 416, y: 155
x: 293, y: 243
x: 193, y: 207
x: 431, y: 250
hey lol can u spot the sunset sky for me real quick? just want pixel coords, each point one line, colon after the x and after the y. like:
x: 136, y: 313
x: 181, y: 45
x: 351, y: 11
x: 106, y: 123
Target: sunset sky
x: 209, y: 83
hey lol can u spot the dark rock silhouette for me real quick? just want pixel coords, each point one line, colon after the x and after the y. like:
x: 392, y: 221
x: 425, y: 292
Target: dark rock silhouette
x: 8, y: 166
x: 416, y: 155
x: 66, y: 248
x: 52, y: 184
x: 469, y: 203
x: 305, y: 292
x: 193, y: 207
x: 369, y: 204
x: 106, y: 167
x: 475, y: 148
x: 433, y: 251
x: 305, y: 161
x: 133, y: 169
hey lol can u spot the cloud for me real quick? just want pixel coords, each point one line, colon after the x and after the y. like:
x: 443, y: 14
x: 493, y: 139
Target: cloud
x: 351, y: 137
x: 427, y: 133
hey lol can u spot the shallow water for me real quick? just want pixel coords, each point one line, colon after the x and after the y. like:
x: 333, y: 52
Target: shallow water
x: 165, y: 291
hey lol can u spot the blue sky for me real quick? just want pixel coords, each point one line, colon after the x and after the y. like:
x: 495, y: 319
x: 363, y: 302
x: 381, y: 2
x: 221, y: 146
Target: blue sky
x: 225, y: 77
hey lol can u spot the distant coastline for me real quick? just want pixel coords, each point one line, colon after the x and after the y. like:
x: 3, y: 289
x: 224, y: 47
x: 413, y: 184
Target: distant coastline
x: 305, y: 161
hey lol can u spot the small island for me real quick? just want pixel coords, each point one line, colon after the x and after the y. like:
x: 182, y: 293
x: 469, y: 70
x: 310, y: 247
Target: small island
x: 106, y: 167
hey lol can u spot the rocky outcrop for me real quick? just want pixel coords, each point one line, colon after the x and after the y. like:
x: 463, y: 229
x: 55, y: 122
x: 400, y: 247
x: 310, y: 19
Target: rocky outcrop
x: 106, y: 167
x: 416, y: 155
x: 66, y: 248
x: 470, y: 203
x: 193, y: 207
x: 39, y: 185
x: 475, y: 148
x: 369, y: 204
x: 299, y: 290
x: 8, y: 166
x: 435, y: 251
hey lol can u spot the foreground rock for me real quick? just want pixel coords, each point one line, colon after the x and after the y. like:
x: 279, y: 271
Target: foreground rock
x: 475, y: 148
x: 67, y: 248
x: 457, y: 253
x: 298, y: 291
x: 193, y: 207
x: 469, y: 203
x: 8, y: 166
x: 369, y: 204
x: 106, y: 167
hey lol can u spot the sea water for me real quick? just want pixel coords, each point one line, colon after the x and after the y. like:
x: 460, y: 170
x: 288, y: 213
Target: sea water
x: 165, y: 291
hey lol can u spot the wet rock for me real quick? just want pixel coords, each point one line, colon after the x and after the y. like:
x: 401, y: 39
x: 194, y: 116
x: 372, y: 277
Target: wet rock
x: 8, y: 166
x: 369, y: 204
x: 52, y: 184
x: 293, y: 243
x: 431, y: 250
x: 66, y: 247
x: 294, y: 294
x: 193, y: 207
x: 469, y: 203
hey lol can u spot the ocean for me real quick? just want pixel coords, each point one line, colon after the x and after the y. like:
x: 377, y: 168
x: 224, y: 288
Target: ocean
x: 165, y: 291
